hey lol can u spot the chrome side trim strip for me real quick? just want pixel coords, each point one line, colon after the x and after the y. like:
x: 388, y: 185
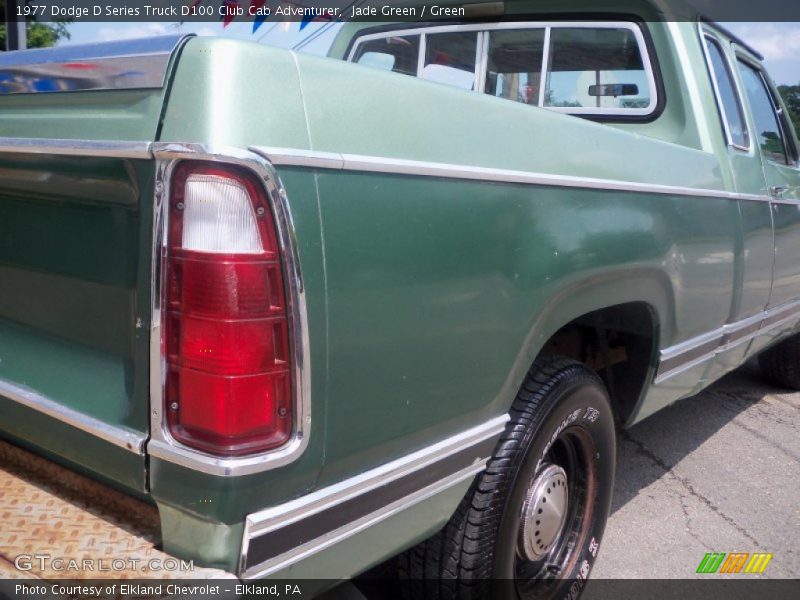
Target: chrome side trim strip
x: 397, y: 166
x: 292, y: 157
x: 161, y: 444
x: 470, y: 450
x: 59, y: 147
x: 124, y: 438
x: 681, y: 357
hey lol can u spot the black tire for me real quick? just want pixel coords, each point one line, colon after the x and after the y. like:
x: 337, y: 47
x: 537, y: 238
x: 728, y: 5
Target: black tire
x: 780, y: 365
x: 562, y: 414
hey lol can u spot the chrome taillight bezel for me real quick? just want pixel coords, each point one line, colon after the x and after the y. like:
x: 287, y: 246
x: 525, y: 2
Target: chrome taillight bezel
x: 162, y: 445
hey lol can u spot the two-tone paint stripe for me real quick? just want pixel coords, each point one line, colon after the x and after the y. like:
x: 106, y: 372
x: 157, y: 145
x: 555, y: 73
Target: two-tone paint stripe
x: 283, y: 535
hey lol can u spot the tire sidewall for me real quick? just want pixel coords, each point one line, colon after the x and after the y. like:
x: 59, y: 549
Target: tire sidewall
x: 577, y: 400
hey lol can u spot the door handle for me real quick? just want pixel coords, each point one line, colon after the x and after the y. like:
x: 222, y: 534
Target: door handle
x: 777, y: 191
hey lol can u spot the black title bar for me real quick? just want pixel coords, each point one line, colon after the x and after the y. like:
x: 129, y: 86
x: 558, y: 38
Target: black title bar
x: 317, y: 11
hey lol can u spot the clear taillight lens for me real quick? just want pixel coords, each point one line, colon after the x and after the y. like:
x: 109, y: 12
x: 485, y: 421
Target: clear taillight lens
x: 228, y: 386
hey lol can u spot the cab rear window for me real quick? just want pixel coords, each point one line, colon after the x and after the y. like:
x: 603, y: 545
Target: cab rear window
x: 581, y: 68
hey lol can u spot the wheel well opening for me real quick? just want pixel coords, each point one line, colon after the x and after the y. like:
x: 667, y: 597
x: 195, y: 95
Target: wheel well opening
x: 617, y: 343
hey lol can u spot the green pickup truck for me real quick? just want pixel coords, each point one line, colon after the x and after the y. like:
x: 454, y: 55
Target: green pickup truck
x: 302, y: 315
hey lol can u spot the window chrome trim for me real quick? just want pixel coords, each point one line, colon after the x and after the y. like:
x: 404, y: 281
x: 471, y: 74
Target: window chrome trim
x: 126, y: 439
x: 543, y: 78
x: 481, y: 61
x: 423, y: 52
x: 632, y: 26
x: 377, y: 164
x: 472, y: 449
x: 161, y: 444
x: 707, y: 33
x: 685, y: 355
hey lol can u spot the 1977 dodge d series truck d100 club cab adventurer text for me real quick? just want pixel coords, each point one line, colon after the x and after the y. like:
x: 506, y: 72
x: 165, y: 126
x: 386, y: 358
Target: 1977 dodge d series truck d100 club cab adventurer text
x: 299, y: 315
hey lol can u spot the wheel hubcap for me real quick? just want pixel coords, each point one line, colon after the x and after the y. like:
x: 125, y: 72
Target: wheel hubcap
x: 543, y: 513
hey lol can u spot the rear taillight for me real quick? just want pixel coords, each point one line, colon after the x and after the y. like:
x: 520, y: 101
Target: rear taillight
x: 228, y: 384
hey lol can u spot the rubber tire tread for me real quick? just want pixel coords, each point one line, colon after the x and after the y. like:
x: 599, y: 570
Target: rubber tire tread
x: 456, y: 563
x: 780, y: 365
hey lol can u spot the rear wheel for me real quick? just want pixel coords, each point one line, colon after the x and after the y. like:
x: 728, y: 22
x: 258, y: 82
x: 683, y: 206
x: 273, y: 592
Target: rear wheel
x: 780, y: 365
x: 531, y: 524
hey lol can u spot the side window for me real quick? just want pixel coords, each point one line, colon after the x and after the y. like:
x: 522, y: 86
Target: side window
x: 514, y: 65
x: 598, y: 68
x: 398, y: 54
x: 450, y: 58
x: 730, y: 107
x: 768, y: 129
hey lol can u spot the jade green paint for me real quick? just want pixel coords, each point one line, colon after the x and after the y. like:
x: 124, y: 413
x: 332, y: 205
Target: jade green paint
x: 75, y: 260
x: 118, y: 115
x: 87, y: 454
x: 428, y: 298
x: 227, y: 92
x: 209, y: 543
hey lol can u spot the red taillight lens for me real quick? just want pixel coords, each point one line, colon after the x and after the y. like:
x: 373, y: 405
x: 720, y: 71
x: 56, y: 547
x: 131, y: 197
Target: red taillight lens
x: 226, y: 341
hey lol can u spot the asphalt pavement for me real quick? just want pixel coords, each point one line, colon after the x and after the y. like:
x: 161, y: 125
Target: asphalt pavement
x: 717, y: 472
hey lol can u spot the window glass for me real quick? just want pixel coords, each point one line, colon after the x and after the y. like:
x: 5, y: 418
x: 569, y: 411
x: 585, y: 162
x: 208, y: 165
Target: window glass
x: 598, y: 68
x: 514, y: 66
x: 768, y: 130
x: 398, y: 54
x: 728, y: 98
x: 450, y: 58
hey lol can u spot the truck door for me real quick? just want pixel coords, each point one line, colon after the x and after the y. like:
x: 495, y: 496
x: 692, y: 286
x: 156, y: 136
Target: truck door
x: 755, y: 250
x: 778, y: 147
x: 756, y: 246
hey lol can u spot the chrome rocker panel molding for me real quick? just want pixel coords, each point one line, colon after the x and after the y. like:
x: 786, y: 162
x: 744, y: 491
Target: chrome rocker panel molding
x: 278, y: 537
x: 681, y: 357
x: 161, y: 444
x: 127, y: 439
